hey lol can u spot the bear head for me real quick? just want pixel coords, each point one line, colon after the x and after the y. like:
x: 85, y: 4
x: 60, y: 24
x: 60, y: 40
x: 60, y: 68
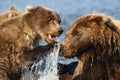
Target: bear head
x: 46, y: 22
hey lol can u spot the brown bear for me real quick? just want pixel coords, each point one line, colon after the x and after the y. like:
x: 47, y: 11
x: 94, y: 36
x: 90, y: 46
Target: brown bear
x: 95, y: 40
x: 18, y: 38
x: 11, y: 13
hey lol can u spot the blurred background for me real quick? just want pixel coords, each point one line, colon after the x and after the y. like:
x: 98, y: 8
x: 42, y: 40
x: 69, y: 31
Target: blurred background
x: 69, y: 10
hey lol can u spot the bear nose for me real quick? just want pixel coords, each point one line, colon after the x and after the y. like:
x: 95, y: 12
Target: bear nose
x: 60, y: 30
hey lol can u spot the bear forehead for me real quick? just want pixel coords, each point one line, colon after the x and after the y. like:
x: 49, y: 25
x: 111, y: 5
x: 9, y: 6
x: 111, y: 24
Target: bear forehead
x: 43, y: 10
x: 39, y: 8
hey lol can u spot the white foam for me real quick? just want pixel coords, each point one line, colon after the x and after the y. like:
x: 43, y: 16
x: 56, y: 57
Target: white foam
x: 45, y: 69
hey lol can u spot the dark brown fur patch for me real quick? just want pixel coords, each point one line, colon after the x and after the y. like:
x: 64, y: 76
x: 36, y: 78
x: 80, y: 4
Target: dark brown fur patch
x: 94, y: 39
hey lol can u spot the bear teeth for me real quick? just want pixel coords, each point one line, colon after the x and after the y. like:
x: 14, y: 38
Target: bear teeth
x: 51, y: 37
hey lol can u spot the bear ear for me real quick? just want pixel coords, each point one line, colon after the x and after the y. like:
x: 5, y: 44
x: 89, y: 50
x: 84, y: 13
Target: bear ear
x: 110, y: 24
x: 29, y: 8
x: 12, y: 8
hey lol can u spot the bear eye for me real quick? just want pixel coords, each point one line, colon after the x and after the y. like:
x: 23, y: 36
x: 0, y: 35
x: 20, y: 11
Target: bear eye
x: 49, y: 19
x: 75, y: 32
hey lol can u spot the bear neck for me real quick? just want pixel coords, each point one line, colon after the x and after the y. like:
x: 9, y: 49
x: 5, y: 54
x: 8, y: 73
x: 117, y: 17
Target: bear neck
x: 109, y: 44
x: 30, y: 35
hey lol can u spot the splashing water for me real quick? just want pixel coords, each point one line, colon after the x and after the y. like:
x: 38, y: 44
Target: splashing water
x: 45, y: 69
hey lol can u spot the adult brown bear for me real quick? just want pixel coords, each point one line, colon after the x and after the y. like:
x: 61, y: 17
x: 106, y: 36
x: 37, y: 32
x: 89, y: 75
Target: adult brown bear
x: 18, y: 37
x: 95, y: 40
x: 11, y: 13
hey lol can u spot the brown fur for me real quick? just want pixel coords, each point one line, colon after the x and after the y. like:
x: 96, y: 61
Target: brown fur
x: 95, y: 40
x: 11, y: 13
x: 18, y: 38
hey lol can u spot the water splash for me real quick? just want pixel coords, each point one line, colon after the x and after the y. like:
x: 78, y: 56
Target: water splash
x: 45, y: 69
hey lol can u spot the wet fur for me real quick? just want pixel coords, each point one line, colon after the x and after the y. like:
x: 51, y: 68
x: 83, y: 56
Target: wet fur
x: 95, y: 40
x: 19, y: 36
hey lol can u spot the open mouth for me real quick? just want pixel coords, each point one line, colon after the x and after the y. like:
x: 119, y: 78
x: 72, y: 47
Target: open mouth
x: 51, y: 37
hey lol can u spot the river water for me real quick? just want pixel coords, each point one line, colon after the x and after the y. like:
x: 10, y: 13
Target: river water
x: 45, y: 69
